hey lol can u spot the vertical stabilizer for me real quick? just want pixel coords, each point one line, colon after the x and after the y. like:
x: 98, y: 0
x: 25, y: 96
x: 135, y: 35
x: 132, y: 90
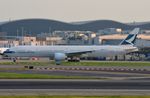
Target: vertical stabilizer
x: 131, y: 38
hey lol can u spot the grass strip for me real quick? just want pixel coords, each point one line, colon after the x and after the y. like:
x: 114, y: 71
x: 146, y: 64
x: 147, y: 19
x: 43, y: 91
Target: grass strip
x: 74, y: 96
x: 84, y: 63
x: 103, y: 63
x: 4, y: 75
x: 26, y: 63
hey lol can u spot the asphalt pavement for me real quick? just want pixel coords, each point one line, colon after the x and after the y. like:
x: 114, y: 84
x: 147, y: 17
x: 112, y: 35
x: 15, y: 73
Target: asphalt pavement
x: 74, y: 87
x: 72, y: 84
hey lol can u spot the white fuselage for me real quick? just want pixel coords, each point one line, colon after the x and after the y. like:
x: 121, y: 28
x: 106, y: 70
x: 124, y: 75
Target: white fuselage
x: 49, y: 51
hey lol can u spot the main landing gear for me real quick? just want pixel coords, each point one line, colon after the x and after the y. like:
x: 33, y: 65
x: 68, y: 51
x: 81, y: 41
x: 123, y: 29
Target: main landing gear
x: 73, y: 59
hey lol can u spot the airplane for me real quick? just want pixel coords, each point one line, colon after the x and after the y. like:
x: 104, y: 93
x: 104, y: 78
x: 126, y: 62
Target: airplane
x: 61, y: 52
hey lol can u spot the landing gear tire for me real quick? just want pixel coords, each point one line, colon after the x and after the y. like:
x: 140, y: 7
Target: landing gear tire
x: 73, y: 60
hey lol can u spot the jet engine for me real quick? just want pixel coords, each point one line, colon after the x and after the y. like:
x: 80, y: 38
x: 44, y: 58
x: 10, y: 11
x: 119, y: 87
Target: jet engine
x: 59, y: 57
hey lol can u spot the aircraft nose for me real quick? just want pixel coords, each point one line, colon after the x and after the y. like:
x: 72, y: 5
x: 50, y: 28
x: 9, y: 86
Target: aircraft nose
x: 8, y: 51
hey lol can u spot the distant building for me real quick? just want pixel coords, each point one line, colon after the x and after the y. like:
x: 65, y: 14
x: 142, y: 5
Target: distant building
x: 27, y: 41
x: 108, y: 31
x: 55, y: 41
x: 8, y: 43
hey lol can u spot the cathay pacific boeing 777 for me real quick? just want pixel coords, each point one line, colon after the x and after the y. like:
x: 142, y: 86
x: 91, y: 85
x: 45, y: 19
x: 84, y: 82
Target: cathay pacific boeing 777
x: 60, y: 52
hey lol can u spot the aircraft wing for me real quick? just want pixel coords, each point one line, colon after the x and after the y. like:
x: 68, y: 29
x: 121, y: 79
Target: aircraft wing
x: 76, y: 53
x: 135, y: 49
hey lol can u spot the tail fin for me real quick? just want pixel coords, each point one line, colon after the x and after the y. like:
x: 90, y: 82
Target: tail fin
x: 130, y: 39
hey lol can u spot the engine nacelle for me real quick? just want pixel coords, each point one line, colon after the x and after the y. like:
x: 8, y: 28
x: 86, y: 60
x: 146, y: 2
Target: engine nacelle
x: 59, y: 57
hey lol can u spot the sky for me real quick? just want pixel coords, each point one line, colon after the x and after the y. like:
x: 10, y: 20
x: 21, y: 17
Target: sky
x: 76, y: 10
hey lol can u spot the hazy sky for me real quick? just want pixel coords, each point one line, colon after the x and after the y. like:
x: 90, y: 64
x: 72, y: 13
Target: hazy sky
x: 76, y: 10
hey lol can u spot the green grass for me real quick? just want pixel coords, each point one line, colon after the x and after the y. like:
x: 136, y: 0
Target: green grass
x: 37, y: 76
x: 84, y: 63
x: 107, y: 63
x: 74, y: 96
x: 26, y: 63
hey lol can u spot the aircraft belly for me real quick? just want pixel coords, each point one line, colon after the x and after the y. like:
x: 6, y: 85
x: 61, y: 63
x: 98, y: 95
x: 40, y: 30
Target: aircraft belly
x: 35, y: 54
